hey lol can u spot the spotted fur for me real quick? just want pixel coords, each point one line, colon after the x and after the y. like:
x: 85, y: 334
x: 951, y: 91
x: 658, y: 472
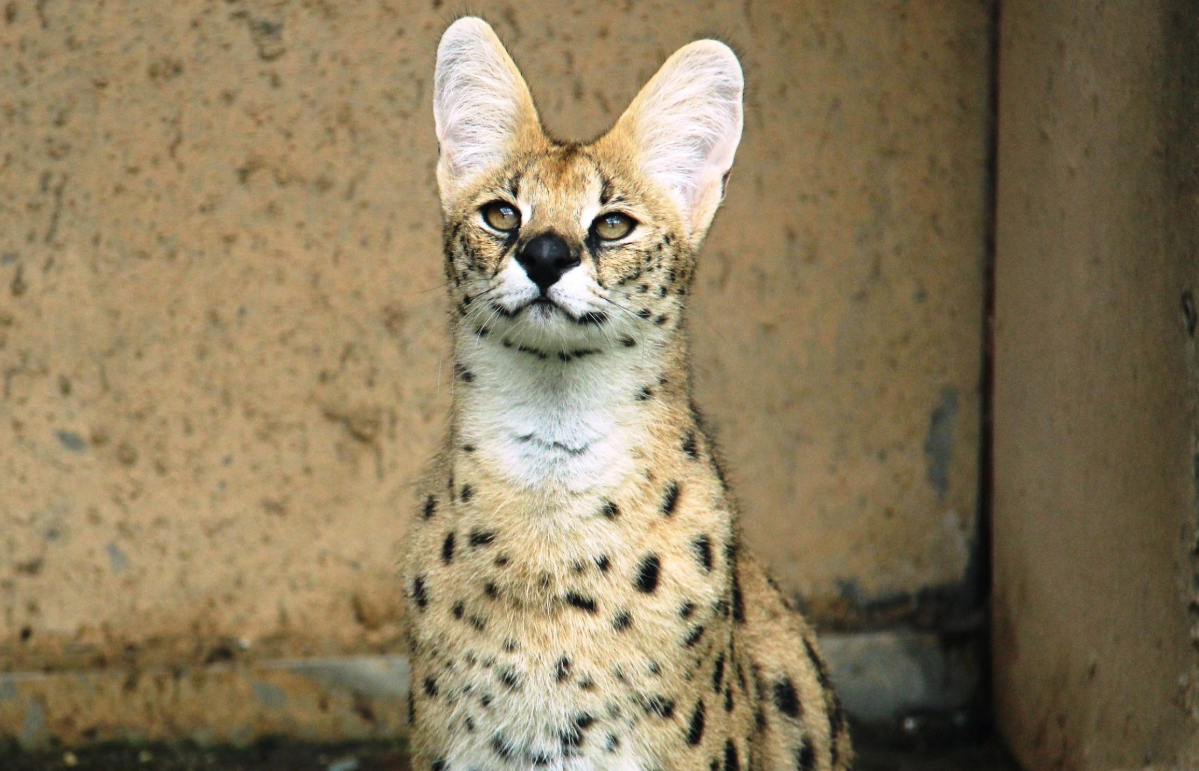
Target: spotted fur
x: 578, y: 599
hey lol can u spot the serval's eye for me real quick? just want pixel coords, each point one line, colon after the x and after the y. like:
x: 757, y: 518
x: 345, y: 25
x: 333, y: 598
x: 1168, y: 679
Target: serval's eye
x: 612, y: 226
x: 502, y: 216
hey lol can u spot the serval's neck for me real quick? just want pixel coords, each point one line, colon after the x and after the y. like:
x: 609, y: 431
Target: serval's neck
x: 562, y: 424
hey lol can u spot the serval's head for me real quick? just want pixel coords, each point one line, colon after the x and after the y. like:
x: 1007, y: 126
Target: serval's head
x: 554, y: 246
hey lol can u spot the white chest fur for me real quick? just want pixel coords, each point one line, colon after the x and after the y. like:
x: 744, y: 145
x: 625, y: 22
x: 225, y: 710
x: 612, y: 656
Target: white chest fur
x: 545, y: 423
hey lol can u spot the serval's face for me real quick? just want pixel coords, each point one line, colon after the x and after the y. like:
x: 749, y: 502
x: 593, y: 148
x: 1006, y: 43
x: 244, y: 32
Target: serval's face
x: 562, y: 247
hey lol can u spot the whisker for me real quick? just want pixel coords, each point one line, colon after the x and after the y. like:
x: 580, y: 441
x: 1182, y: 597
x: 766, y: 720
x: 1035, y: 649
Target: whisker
x: 616, y: 305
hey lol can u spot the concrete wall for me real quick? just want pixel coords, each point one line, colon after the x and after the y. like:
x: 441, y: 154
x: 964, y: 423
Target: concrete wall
x: 1095, y: 383
x: 221, y: 321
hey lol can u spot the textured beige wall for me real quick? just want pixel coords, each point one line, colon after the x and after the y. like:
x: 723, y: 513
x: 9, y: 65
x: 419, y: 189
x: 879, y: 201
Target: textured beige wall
x: 1095, y: 389
x: 221, y: 317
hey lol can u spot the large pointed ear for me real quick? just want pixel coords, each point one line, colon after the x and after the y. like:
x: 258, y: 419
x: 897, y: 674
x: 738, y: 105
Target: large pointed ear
x: 686, y: 124
x: 480, y: 102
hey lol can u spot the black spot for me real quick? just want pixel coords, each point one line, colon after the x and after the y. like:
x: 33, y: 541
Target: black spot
x: 583, y: 721
x: 591, y: 318
x: 695, y: 730
x: 438, y: 765
x: 730, y: 756
x: 468, y: 448
x: 645, y: 394
x: 702, y: 546
x: 459, y: 609
x: 805, y: 757
x: 670, y: 500
x: 718, y: 672
x: 714, y: 765
x: 510, y: 679
x: 689, y: 445
x: 655, y: 668
x: 694, y: 637
x: 581, y: 602
x: 605, y: 189
x: 478, y: 622
x: 562, y: 669
x: 419, y: 593
x: 611, y: 744
x: 721, y: 607
x: 587, y: 684
x: 660, y: 706
x: 687, y: 610
x: 603, y: 563
x: 510, y: 646
x: 647, y: 573
x: 644, y: 313
x: 485, y: 700
x: 610, y: 510
x: 447, y: 548
x: 430, y: 687
x: 501, y: 561
x: 533, y: 352
x: 570, y: 738
x: 818, y: 663
x: 467, y: 493
x: 759, y: 721
x: 730, y: 551
x: 481, y: 538
x: 491, y: 590
x: 466, y: 375
x: 501, y: 747
x: 785, y: 697
x: 578, y: 566
x: 622, y: 621
x: 468, y: 722
x: 728, y: 697
x: 627, y: 342
x: 659, y: 321
x: 738, y: 600
x: 430, y: 507
x: 541, y: 759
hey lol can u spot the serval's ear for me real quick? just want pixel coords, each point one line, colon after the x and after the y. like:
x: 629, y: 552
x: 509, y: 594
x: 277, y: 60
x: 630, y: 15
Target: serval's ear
x: 685, y: 125
x: 481, y: 104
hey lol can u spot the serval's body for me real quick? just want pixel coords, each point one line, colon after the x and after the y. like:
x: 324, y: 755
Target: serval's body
x: 577, y: 595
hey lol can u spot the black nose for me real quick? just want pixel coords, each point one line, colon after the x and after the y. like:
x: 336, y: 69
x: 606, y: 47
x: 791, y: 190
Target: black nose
x: 545, y: 258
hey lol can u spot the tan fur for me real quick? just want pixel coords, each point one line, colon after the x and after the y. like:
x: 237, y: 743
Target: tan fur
x: 577, y: 596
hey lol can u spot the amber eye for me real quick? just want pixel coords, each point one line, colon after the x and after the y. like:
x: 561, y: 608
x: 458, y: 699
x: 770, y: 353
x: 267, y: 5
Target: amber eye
x: 502, y: 216
x: 612, y: 226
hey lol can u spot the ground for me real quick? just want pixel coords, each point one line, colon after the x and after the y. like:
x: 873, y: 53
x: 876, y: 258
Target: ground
x: 288, y: 756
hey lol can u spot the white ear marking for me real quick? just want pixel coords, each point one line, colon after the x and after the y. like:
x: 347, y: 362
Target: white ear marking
x: 480, y: 102
x: 686, y: 124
